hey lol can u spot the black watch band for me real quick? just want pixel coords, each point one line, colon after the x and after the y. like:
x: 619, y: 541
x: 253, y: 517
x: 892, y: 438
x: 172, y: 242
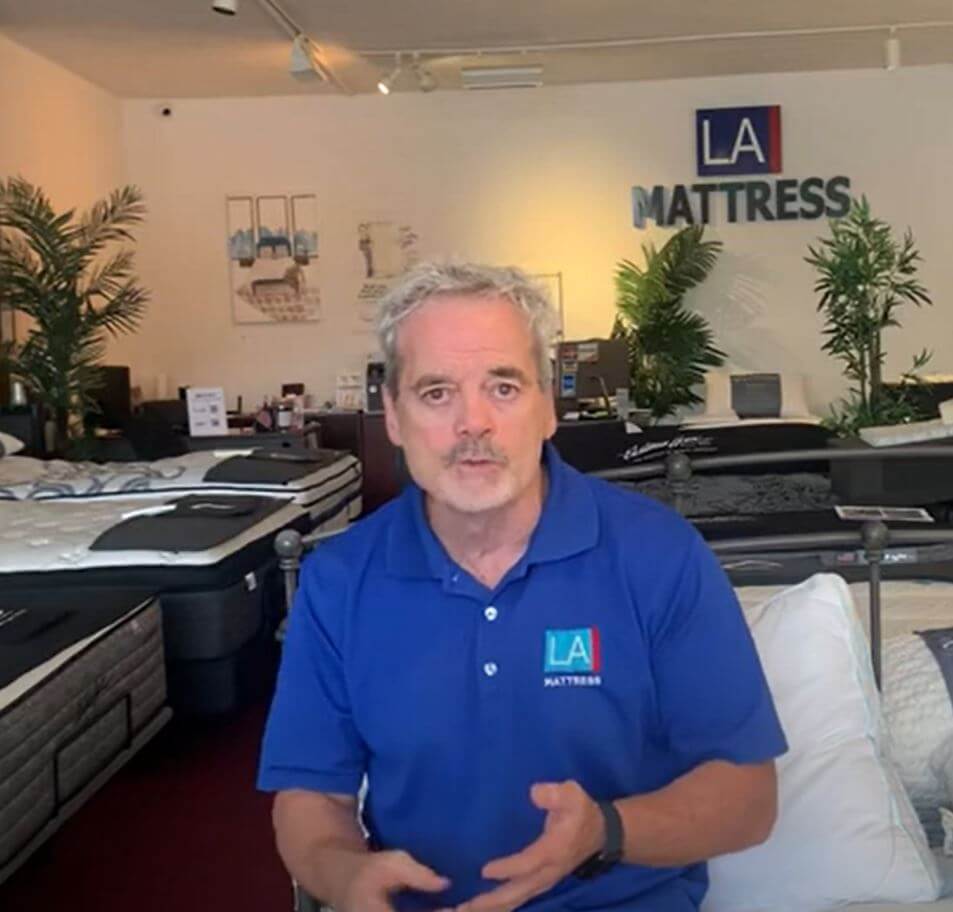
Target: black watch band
x: 611, y: 852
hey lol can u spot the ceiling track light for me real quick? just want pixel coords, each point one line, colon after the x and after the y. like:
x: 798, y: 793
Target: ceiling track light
x: 225, y: 7
x: 385, y: 85
x: 892, y: 50
x: 306, y: 59
x: 426, y: 81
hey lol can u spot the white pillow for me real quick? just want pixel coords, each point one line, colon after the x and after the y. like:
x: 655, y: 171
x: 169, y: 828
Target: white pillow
x: 846, y: 831
x: 718, y: 395
x: 946, y: 411
x: 793, y: 398
x: 10, y: 444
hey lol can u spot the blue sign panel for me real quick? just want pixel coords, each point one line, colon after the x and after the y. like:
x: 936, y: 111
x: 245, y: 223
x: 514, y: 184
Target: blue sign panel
x: 738, y: 140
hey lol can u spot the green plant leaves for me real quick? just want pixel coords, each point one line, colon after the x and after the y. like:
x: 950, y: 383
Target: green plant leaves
x: 864, y: 276
x: 670, y: 347
x: 54, y: 268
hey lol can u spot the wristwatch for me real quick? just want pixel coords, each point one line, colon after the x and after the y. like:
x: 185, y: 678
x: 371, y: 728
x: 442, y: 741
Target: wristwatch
x: 611, y: 852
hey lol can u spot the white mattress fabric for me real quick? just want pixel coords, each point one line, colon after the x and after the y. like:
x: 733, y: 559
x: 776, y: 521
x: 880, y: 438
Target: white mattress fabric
x: 51, y: 535
x: 26, y: 478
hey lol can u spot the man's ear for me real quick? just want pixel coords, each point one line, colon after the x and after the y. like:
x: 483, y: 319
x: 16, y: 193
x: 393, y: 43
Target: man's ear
x: 390, y: 417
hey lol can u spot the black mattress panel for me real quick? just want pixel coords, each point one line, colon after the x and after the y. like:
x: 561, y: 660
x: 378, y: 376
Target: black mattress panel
x: 34, y: 627
x: 272, y: 466
x: 196, y: 523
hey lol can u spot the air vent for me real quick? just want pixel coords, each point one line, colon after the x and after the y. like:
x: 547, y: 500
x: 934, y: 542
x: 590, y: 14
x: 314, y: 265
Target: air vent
x: 524, y: 77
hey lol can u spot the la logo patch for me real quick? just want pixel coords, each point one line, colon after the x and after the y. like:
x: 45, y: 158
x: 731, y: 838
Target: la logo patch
x: 572, y: 658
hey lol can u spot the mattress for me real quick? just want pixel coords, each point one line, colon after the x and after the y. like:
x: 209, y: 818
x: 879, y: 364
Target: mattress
x: 604, y: 446
x: 219, y: 603
x: 92, y: 692
x: 41, y: 538
x: 774, y: 549
x: 309, y: 478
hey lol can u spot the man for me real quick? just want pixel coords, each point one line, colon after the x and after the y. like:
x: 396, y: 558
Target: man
x: 546, y: 680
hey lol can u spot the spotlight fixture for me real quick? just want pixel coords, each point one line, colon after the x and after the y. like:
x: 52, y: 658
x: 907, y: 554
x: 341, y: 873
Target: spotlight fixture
x: 426, y: 81
x: 304, y: 64
x: 387, y: 83
x: 892, y: 50
x: 225, y: 7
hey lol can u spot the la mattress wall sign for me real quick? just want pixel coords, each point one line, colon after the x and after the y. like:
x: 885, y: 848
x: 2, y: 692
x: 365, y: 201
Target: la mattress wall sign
x: 740, y: 141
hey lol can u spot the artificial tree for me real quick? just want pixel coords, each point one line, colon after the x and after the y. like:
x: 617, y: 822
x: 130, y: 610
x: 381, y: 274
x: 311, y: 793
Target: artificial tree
x: 865, y: 274
x: 670, y: 347
x: 60, y: 270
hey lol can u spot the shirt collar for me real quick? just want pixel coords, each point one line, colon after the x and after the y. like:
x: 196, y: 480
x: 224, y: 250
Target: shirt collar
x: 568, y: 525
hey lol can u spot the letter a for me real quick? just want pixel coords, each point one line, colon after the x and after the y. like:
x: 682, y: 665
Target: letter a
x: 752, y: 145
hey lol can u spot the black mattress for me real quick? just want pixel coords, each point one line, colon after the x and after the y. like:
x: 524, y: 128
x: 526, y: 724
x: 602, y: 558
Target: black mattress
x: 782, y: 548
x: 35, y: 627
x: 592, y: 446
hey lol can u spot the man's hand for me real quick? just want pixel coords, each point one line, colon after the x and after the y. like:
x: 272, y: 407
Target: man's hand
x: 380, y: 874
x: 573, y: 831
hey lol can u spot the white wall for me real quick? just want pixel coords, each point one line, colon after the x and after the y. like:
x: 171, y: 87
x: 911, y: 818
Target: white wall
x: 57, y: 130
x: 537, y: 178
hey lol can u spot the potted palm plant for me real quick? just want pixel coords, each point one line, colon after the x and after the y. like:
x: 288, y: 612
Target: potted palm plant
x: 63, y: 273
x: 865, y: 275
x: 670, y: 346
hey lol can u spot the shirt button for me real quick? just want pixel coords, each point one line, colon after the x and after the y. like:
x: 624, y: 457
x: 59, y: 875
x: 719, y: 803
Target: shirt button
x: 490, y: 613
x: 490, y: 669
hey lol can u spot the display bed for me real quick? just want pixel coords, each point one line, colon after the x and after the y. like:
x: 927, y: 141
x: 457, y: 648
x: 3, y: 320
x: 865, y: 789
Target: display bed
x: 313, y: 479
x: 82, y: 688
x: 215, y: 574
x: 595, y: 446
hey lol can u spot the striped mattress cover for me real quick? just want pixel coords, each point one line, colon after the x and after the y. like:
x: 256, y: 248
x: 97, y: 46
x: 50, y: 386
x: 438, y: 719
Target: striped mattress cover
x: 71, y: 721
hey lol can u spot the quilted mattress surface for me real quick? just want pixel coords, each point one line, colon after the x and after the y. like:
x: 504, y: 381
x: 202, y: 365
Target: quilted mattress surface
x: 49, y: 535
x: 26, y: 478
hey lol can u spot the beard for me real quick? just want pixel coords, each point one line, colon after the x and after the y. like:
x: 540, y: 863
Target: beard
x: 476, y: 478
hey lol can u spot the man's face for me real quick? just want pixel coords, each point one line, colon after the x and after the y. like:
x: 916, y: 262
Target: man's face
x: 469, y: 414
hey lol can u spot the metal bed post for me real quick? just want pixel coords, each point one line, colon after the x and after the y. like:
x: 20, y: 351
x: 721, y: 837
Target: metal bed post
x: 289, y: 547
x: 875, y: 536
x: 678, y: 472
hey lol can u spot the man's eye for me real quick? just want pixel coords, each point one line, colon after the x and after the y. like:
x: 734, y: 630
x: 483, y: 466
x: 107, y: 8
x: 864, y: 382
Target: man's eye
x: 434, y: 395
x: 506, y: 390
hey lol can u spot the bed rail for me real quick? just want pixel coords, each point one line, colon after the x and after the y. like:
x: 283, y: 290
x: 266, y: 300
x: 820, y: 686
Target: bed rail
x: 679, y: 463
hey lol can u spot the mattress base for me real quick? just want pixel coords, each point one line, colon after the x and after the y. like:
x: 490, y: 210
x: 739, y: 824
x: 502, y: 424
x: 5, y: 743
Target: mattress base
x: 224, y: 684
x: 145, y: 733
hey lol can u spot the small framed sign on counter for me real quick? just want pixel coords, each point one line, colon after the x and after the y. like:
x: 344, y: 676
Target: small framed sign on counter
x: 207, y: 415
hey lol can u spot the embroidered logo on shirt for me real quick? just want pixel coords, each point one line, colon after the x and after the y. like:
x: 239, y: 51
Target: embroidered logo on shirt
x: 572, y: 658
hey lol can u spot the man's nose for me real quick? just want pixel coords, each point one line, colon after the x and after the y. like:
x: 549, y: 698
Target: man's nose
x: 474, y: 416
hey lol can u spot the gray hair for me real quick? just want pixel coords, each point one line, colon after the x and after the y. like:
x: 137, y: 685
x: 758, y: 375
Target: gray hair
x: 428, y: 280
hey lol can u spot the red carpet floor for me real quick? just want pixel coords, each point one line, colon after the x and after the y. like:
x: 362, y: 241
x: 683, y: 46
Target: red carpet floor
x: 180, y: 829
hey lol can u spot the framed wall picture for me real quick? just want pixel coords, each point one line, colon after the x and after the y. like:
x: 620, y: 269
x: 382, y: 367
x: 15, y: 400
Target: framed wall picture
x: 273, y: 258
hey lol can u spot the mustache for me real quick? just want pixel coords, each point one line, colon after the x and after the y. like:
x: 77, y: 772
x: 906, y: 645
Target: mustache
x: 467, y: 450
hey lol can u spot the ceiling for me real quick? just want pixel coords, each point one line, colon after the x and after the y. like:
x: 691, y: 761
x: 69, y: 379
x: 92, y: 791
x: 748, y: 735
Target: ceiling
x: 181, y: 48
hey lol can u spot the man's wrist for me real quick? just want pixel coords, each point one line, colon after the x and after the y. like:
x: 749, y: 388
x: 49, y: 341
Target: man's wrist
x: 613, y: 840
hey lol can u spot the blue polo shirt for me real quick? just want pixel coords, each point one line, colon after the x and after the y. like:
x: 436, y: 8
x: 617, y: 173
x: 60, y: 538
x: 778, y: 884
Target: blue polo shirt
x: 613, y: 653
